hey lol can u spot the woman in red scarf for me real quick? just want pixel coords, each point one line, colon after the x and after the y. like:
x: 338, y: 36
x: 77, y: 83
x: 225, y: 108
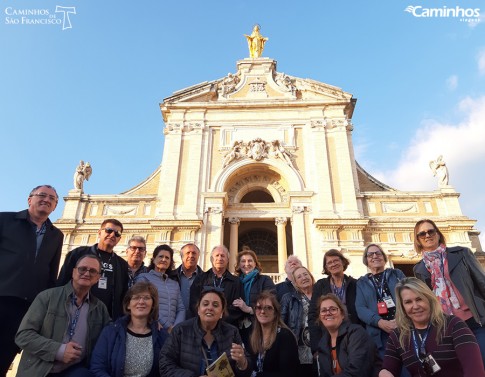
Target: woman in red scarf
x: 455, y: 277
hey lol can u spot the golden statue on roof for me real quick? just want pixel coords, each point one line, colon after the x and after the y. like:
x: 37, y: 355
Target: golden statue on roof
x: 256, y: 42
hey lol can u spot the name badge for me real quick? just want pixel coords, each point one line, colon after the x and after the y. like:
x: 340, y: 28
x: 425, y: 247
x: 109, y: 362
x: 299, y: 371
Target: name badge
x: 103, y: 282
x: 389, y: 302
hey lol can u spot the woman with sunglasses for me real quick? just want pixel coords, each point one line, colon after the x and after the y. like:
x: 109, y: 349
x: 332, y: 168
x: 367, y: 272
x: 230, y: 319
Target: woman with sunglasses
x: 273, y: 345
x: 455, y: 277
x: 426, y: 341
x: 131, y: 345
x: 376, y: 299
x: 171, y: 307
x: 249, y: 271
x: 345, y: 348
x: 294, y: 312
x: 196, y: 343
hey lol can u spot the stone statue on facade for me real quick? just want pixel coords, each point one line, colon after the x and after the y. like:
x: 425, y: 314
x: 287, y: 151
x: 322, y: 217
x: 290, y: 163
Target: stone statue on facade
x: 228, y: 84
x: 255, y: 42
x: 83, y: 172
x: 234, y: 154
x: 439, y: 169
x: 284, y: 82
x: 279, y: 151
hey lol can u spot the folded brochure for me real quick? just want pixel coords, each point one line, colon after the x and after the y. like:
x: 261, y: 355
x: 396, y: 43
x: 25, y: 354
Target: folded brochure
x: 221, y: 367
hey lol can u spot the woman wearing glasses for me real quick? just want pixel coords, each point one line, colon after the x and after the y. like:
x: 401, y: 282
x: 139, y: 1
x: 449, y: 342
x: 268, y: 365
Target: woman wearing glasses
x: 294, y: 312
x: 131, y: 345
x: 171, y: 307
x: 273, y: 345
x: 455, y: 277
x: 196, y: 343
x: 376, y: 300
x: 426, y: 341
x: 336, y: 282
x: 345, y: 348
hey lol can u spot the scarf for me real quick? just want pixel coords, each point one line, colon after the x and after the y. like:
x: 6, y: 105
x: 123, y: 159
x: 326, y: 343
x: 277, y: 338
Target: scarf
x: 436, y: 263
x: 247, y: 281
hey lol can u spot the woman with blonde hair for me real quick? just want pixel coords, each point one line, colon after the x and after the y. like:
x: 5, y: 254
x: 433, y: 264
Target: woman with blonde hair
x: 454, y: 275
x: 427, y: 341
x: 249, y: 271
x: 272, y: 344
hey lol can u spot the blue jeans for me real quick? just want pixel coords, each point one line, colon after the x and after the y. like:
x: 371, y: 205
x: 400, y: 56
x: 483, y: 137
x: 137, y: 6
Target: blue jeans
x: 479, y: 333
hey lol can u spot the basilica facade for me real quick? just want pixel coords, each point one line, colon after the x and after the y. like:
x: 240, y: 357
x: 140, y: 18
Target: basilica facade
x: 265, y: 160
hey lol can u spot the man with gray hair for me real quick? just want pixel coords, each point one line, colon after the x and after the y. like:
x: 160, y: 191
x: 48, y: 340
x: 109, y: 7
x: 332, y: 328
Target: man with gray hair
x: 135, y: 255
x: 220, y: 278
x: 186, y: 273
x: 61, y: 327
x: 292, y: 263
x: 30, y: 251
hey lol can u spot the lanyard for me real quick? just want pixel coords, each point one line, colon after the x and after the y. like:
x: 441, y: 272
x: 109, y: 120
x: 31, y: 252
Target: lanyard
x: 379, y: 287
x: 420, y: 349
x: 339, y: 292
x: 75, y: 317
x: 218, y: 285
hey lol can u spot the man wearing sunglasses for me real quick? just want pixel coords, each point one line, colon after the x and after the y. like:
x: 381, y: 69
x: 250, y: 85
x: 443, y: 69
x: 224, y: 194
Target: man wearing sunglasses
x: 62, y: 325
x: 113, y: 282
x: 30, y: 251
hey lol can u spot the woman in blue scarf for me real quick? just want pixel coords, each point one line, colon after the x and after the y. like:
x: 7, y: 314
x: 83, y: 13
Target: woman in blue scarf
x: 249, y: 271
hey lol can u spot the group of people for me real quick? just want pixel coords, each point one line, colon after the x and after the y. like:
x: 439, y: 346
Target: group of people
x: 104, y: 316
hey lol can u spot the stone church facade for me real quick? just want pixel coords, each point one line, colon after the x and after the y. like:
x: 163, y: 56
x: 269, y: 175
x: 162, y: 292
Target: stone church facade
x: 265, y: 160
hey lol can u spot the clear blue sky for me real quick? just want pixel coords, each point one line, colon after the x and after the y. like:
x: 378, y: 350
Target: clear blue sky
x: 92, y: 92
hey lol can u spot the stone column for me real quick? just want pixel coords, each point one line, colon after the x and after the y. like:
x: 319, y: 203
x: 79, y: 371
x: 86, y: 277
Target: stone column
x: 299, y: 235
x: 234, y: 221
x: 282, y: 253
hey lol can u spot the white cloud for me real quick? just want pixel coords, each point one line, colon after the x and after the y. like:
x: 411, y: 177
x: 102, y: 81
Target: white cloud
x: 463, y: 148
x: 481, y: 62
x: 452, y: 82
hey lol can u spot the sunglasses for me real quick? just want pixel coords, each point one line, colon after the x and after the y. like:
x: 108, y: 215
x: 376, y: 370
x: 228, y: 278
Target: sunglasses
x: 266, y: 308
x: 424, y: 233
x: 109, y: 231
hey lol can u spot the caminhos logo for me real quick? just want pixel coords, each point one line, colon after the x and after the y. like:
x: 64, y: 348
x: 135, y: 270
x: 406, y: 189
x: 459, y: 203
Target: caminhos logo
x: 463, y: 14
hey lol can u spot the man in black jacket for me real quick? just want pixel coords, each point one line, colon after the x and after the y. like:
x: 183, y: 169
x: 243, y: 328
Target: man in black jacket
x: 30, y: 251
x: 220, y: 278
x: 113, y: 283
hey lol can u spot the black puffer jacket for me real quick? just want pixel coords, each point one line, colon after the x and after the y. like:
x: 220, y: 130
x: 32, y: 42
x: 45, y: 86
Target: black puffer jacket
x: 181, y: 354
x: 356, y: 352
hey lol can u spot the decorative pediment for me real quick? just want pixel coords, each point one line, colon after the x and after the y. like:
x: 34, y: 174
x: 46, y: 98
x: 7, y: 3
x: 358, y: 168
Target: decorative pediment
x: 258, y: 79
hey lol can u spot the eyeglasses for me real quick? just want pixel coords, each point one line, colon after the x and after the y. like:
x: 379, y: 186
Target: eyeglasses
x: 110, y: 230
x: 424, y: 233
x: 332, y: 262
x: 44, y: 196
x: 266, y: 308
x: 374, y: 254
x: 330, y: 310
x: 142, y: 298
x: 83, y: 270
x: 135, y: 248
